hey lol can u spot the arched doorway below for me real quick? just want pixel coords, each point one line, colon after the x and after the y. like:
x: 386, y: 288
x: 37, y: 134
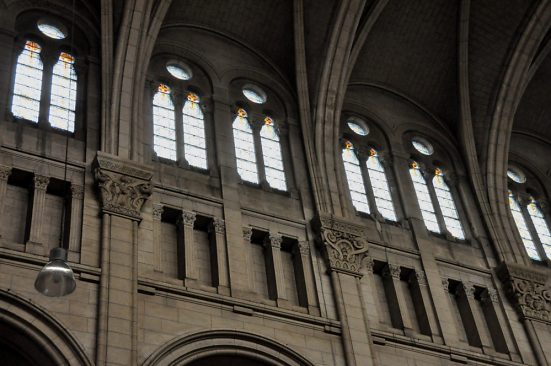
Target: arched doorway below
x: 16, y: 348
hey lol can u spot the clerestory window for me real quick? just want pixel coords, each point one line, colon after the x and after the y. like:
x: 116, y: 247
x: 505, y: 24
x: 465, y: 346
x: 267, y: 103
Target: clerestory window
x: 530, y: 218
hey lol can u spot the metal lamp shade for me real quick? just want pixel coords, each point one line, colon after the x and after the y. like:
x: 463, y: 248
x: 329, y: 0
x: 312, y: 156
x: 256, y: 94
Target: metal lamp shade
x: 56, y: 278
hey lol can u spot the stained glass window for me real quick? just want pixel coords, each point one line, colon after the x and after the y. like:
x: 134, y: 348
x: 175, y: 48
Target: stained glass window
x: 423, y: 197
x: 354, y: 177
x: 516, y: 175
x: 195, y: 145
x: 179, y: 71
x: 358, y: 127
x: 447, y: 205
x: 164, y: 133
x: 63, y: 97
x: 271, y: 151
x: 522, y: 227
x: 28, y: 83
x: 541, y: 226
x: 244, y: 147
x: 379, y: 184
x: 254, y: 94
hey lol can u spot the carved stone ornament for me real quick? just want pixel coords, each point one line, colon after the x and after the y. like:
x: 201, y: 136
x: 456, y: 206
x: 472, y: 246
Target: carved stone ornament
x: 392, y: 270
x: 273, y: 240
x: 5, y: 172
x: 421, y: 278
x: 304, y: 247
x: 41, y: 182
x: 344, y: 244
x: 77, y: 191
x: 219, y: 225
x: 157, y: 211
x: 123, y: 186
x: 188, y: 218
x: 526, y: 289
x: 466, y: 289
x: 247, y: 234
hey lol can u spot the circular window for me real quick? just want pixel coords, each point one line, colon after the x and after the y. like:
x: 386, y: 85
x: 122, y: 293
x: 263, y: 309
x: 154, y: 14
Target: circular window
x: 516, y: 175
x: 422, y: 145
x: 179, y: 70
x: 359, y: 127
x: 51, y: 29
x: 254, y: 94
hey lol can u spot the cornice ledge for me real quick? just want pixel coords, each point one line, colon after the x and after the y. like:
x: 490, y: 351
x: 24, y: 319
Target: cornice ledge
x: 123, y: 185
x: 526, y: 288
x: 344, y: 244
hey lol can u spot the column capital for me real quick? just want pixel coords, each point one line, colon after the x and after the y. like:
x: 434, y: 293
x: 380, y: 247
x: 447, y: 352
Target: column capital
x: 218, y: 225
x: 157, y: 211
x: 247, y: 234
x: 489, y: 296
x: 5, y: 172
x: 368, y: 261
x: 527, y: 290
x: 392, y: 270
x: 343, y: 243
x: 188, y: 218
x: 41, y: 182
x: 303, y: 247
x: 124, y: 185
x: 421, y: 278
x: 273, y: 240
x: 77, y: 191
x: 466, y: 289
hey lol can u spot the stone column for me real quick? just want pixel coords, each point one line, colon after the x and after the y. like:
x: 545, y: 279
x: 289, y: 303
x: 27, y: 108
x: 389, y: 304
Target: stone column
x: 396, y: 300
x: 123, y: 187
x: 274, y: 268
x: 303, y: 271
x: 471, y: 321
x: 496, y: 322
x: 75, y: 223
x: 344, y: 246
x: 247, y: 235
x: 4, y: 175
x: 186, y: 265
x: 34, y: 243
x: 217, y: 233
x: 157, y: 237
x: 423, y: 304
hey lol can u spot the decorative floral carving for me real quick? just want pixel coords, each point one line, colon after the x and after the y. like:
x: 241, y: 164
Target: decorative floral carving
x: 421, y: 278
x: 157, y: 211
x: 392, y: 270
x: 77, y: 191
x: 41, y: 182
x: 368, y: 261
x: 219, y: 225
x: 188, y: 218
x: 247, y: 234
x: 489, y: 295
x: 273, y: 240
x: 344, y: 244
x: 525, y: 287
x: 466, y: 289
x: 5, y: 172
x: 304, y: 247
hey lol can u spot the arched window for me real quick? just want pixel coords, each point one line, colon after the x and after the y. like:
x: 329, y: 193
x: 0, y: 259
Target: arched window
x: 195, y: 145
x: 379, y: 184
x: 271, y: 152
x: 354, y: 177
x: 28, y: 83
x: 244, y: 147
x: 63, y: 95
x: 447, y: 205
x: 542, y: 229
x: 522, y: 227
x: 164, y: 133
x: 424, y: 199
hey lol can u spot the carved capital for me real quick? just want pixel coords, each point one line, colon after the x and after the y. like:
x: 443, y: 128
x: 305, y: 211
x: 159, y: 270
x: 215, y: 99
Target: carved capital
x: 446, y: 284
x: 421, y: 278
x: 188, y: 218
x: 273, y: 240
x: 368, y: 262
x: 41, y: 182
x: 247, y: 234
x: 343, y: 244
x: 489, y: 296
x: 392, y: 270
x: 219, y: 225
x: 466, y: 289
x: 525, y: 287
x: 157, y: 211
x: 5, y: 172
x: 77, y: 191
x: 123, y: 186
x: 303, y: 247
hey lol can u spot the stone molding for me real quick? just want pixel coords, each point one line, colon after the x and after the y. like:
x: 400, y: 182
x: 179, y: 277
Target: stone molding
x: 344, y: 244
x: 526, y: 289
x: 124, y: 186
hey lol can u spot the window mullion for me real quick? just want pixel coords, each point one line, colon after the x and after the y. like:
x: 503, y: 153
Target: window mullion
x: 255, y: 126
x: 178, y: 120
x: 523, y: 203
x: 437, y: 210
x: 49, y: 61
x: 368, y: 188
